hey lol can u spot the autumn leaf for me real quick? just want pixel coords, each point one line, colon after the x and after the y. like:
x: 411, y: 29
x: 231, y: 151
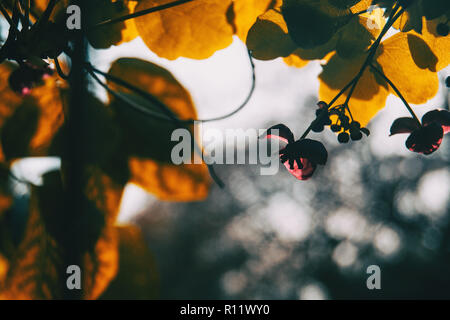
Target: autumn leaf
x: 268, y: 38
x: 137, y: 275
x: 197, y: 29
x: 29, y: 123
x: 35, y: 269
x: 194, y: 30
x: 113, y: 34
x: 415, y: 13
x: 416, y: 84
x: 148, y: 141
x: 101, y: 264
x: 311, y: 23
x: 439, y: 45
x: 245, y: 13
x: 52, y: 239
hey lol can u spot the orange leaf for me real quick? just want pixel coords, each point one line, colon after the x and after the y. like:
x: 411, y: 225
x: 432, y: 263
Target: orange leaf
x: 148, y: 141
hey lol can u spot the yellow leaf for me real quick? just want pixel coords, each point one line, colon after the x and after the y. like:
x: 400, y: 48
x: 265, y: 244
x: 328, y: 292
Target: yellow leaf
x: 29, y: 123
x: 113, y: 34
x: 246, y: 12
x: 101, y: 264
x: 194, y: 30
x: 356, y: 36
x: 369, y: 96
x: 137, y: 277
x: 130, y: 31
x: 268, y: 38
x: 411, y: 18
x: 52, y: 239
x: 4, y: 267
x: 105, y: 193
x: 294, y: 60
x: 188, y: 182
x: 361, y: 6
x: 421, y: 53
x: 148, y: 140
x: 35, y: 270
x: 439, y: 45
x: 416, y: 85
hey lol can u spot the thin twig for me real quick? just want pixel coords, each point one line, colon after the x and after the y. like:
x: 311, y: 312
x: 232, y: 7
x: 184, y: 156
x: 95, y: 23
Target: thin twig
x: 165, y: 109
x: 147, y: 112
x: 410, y: 110
x: 59, y: 70
x: 139, y: 13
x: 5, y: 14
x: 308, y: 130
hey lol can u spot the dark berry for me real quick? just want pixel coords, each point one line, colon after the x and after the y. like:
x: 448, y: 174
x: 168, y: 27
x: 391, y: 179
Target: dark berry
x: 317, y: 126
x: 344, y: 119
x: 356, y: 135
x: 322, y: 105
x: 365, y: 131
x: 335, y: 128
x: 319, y: 112
x: 27, y: 76
x: 355, y: 125
x: 343, y: 137
x: 447, y: 82
x: 327, y: 121
x: 442, y: 29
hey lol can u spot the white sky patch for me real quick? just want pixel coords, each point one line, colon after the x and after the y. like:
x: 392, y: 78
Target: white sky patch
x: 134, y: 200
x: 31, y: 170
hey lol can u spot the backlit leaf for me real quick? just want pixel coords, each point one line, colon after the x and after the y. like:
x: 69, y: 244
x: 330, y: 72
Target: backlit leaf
x: 148, y: 140
x: 31, y: 122
x: 268, y: 38
x: 313, y: 23
x: 416, y: 85
x: 194, y: 30
x: 113, y: 34
x: 137, y: 276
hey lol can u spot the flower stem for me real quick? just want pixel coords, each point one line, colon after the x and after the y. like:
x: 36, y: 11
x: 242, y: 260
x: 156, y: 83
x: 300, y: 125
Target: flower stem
x: 410, y: 110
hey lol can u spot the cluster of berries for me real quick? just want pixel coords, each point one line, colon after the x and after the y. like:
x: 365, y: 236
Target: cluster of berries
x: 28, y: 76
x: 348, y: 128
